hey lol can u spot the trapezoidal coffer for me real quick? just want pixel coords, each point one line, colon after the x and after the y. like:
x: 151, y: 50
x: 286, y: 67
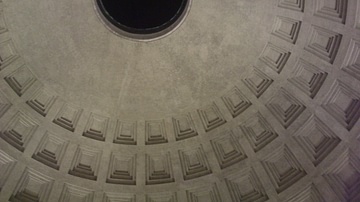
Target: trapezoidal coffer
x: 142, y: 20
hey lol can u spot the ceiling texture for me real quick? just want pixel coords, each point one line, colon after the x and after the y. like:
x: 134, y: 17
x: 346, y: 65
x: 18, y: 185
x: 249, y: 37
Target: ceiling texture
x: 247, y: 100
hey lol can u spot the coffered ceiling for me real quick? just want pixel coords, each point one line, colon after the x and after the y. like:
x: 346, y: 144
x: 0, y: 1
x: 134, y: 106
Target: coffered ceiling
x: 247, y: 100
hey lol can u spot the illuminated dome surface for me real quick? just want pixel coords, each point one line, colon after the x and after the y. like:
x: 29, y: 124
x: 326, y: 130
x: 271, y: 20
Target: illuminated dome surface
x: 245, y: 101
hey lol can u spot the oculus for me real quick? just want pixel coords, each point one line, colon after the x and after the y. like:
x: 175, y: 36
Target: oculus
x: 142, y: 19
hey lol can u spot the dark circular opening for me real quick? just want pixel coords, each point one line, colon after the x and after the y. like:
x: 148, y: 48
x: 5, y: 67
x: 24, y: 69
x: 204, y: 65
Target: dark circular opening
x: 142, y: 16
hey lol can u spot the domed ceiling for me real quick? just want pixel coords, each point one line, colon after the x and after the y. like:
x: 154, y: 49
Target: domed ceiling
x: 245, y: 100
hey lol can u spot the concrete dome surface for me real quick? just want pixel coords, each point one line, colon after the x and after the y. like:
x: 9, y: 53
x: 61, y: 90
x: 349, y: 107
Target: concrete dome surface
x: 245, y: 100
